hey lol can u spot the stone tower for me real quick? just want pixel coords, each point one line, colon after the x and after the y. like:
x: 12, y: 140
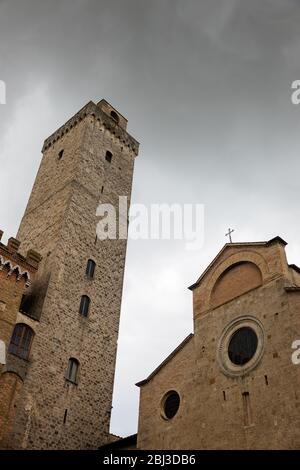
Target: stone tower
x: 66, y: 396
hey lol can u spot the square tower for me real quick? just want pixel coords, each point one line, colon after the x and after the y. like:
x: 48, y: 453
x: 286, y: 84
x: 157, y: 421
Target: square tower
x: 66, y: 397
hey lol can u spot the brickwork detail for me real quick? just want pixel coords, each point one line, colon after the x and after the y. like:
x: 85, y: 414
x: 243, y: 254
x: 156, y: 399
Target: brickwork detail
x: 17, y: 272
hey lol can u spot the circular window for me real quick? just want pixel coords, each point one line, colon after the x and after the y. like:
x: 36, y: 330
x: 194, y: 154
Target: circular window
x: 242, y: 346
x: 171, y: 403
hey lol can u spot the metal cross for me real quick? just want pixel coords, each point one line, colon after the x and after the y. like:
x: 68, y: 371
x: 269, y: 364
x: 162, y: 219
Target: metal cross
x: 229, y: 234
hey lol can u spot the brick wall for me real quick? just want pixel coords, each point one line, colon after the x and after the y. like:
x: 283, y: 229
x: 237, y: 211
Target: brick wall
x: 16, y: 274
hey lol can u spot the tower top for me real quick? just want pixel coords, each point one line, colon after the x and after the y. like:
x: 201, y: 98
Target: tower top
x: 109, y: 117
x: 112, y: 112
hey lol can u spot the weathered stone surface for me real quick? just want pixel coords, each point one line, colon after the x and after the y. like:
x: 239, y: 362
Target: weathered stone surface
x: 214, y: 411
x: 60, y: 223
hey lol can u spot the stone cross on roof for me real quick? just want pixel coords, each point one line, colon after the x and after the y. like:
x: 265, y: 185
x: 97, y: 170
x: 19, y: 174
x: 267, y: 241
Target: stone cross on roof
x: 229, y: 234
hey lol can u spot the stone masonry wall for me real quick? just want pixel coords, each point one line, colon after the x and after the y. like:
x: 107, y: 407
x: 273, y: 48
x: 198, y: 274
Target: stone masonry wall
x: 61, y: 222
x: 212, y: 413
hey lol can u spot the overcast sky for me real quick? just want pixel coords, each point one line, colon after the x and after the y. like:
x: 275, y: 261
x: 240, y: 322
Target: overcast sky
x: 206, y: 88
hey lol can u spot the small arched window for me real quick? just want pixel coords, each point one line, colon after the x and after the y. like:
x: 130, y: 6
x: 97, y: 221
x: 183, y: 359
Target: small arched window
x: 90, y: 269
x: 114, y: 116
x: 72, y: 371
x: 21, y: 341
x: 84, y: 305
x: 60, y: 154
x: 108, y: 156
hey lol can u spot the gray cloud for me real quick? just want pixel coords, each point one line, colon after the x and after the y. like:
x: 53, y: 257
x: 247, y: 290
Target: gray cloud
x: 206, y: 89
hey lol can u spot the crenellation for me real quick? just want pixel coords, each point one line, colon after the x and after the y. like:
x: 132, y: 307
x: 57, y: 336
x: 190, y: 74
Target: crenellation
x: 33, y: 258
x: 13, y: 245
x: 15, y: 262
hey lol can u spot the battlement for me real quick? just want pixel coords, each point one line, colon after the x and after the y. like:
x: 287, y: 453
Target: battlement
x: 23, y: 266
x: 110, y: 118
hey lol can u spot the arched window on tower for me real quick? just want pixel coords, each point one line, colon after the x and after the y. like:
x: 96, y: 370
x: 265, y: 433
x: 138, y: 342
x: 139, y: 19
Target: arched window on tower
x: 72, y: 370
x: 114, y: 116
x: 90, y: 269
x: 21, y: 341
x: 84, y: 305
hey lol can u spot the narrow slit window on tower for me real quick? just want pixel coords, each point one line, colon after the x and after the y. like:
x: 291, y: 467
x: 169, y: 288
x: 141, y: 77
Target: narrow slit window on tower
x: 90, y: 269
x: 224, y: 395
x: 266, y: 380
x: 72, y: 371
x: 84, y: 305
x: 65, y: 416
x: 247, y: 409
x: 60, y: 154
x: 108, y: 156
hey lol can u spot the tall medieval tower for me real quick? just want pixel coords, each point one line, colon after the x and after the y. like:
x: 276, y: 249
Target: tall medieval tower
x: 65, y: 401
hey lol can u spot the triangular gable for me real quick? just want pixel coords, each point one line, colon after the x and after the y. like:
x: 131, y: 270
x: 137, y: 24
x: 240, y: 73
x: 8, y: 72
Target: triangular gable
x: 237, y: 245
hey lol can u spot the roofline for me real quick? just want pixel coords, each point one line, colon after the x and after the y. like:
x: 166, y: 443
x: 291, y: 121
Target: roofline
x: 165, y: 361
x: 237, y: 244
x: 295, y: 267
x: 292, y: 289
x: 115, y: 109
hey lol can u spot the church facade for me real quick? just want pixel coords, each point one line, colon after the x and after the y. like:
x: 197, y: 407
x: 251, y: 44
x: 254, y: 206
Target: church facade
x: 232, y: 384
